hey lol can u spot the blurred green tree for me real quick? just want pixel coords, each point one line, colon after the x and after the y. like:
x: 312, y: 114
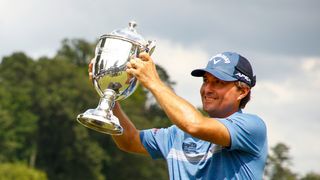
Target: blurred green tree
x: 18, y: 124
x: 20, y: 171
x: 311, y: 176
x: 278, y: 164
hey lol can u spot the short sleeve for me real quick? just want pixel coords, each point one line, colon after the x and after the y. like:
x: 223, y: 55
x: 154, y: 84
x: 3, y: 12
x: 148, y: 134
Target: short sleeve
x: 158, y: 141
x: 247, y: 132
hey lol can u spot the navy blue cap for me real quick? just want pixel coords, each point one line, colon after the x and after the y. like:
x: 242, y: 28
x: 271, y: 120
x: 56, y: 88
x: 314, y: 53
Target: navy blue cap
x: 229, y: 66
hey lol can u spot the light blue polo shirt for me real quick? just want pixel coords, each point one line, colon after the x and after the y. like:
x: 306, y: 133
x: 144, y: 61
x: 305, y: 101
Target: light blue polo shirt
x: 191, y: 158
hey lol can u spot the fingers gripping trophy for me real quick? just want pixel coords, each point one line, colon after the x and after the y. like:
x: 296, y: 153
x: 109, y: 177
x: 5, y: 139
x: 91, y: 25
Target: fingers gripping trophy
x: 110, y: 78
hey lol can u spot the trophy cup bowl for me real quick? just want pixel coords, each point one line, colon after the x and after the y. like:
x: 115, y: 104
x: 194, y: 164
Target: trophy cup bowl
x: 110, y: 78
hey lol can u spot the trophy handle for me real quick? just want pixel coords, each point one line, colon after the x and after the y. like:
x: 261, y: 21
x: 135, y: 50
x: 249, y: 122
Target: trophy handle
x: 150, y: 46
x: 97, y: 87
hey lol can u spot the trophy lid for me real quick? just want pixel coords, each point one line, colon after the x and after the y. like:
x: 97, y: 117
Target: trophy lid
x: 129, y: 33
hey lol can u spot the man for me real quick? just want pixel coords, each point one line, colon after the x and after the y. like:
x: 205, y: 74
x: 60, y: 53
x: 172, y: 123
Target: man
x: 228, y: 144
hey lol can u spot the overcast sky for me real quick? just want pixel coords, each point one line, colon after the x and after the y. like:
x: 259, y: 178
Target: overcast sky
x: 281, y: 39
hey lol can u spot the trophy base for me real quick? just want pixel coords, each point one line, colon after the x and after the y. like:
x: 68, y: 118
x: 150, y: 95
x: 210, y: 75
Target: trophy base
x: 94, y: 119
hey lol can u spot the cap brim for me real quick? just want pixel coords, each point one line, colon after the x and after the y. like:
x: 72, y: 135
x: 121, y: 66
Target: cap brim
x: 215, y: 72
x: 198, y: 72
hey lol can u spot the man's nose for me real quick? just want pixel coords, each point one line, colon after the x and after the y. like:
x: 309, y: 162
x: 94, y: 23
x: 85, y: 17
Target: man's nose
x: 208, y: 87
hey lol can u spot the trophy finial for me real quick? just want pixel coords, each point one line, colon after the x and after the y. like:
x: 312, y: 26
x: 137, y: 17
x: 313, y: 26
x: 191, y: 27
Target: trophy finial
x: 132, y: 25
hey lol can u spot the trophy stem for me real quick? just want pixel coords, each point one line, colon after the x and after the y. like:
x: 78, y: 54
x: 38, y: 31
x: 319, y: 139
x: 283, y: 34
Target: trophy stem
x: 107, y: 100
x: 102, y: 119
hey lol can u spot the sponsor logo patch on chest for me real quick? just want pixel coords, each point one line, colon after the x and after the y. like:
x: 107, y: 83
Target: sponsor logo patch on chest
x: 189, y: 147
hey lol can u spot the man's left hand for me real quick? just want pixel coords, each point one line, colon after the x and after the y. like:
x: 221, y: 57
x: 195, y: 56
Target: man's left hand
x: 144, y: 69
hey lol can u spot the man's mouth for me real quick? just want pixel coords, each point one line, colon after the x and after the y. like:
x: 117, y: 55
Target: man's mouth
x: 209, y: 98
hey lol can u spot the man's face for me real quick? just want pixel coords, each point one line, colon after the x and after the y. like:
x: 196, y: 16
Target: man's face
x: 219, y: 98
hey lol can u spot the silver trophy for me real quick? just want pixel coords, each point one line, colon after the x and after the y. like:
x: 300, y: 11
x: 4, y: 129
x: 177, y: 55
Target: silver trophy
x: 110, y: 78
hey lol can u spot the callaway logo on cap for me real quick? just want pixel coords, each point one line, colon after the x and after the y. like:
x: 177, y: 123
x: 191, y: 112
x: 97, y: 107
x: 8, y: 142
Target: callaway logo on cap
x: 220, y: 57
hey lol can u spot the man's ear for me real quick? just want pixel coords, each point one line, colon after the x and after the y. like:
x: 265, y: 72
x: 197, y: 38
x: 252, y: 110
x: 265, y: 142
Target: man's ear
x: 243, y: 92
